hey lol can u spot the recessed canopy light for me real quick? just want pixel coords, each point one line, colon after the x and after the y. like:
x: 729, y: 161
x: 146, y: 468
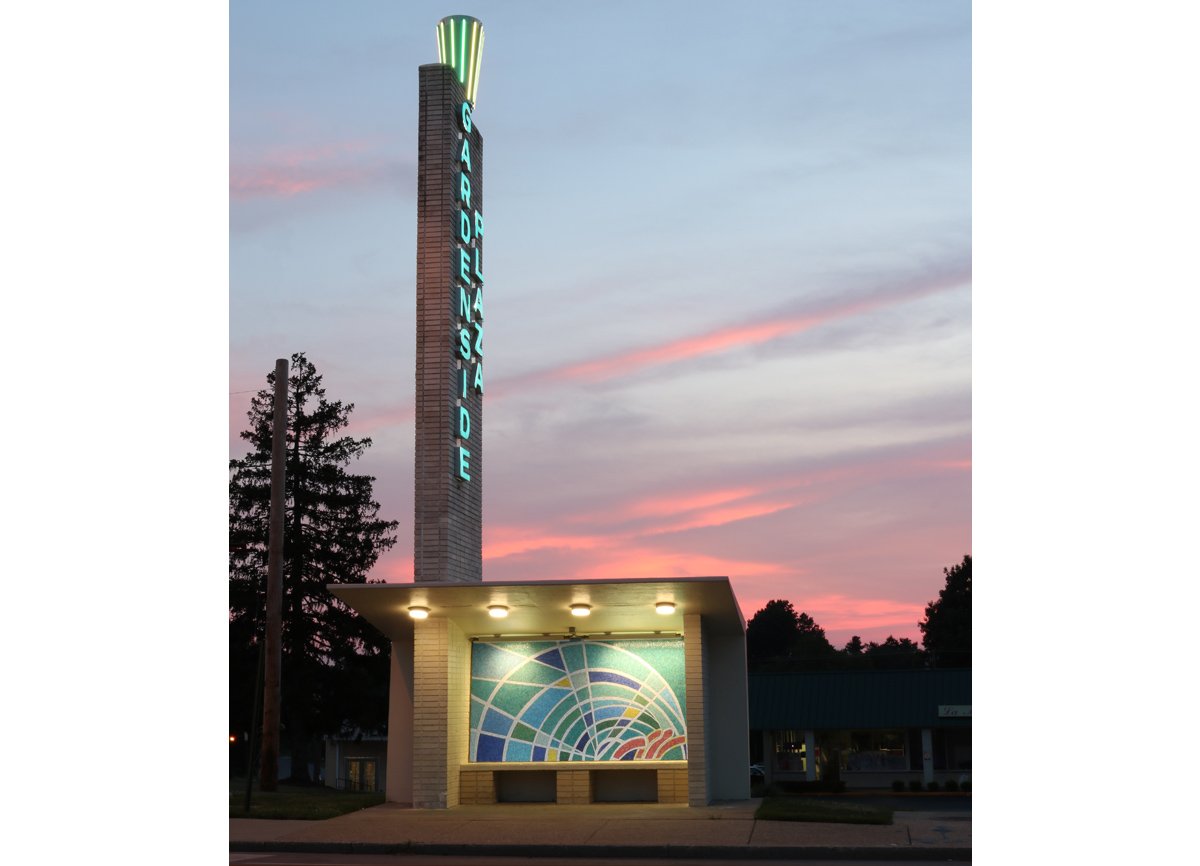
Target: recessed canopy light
x: 497, y: 611
x: 580, y: 609
x: 665, y: 607
x: 418, y: 612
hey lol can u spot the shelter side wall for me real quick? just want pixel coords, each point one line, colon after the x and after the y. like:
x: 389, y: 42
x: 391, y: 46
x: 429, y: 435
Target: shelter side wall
x: 400, y: 724
x: 728, y: 720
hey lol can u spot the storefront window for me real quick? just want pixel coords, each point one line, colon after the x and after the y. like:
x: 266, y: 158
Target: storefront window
x: 876, y: 752
x: 862, y: 751
x: 789, y: 752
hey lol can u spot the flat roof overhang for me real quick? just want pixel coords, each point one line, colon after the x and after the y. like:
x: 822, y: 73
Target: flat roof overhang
x: 541, y: 608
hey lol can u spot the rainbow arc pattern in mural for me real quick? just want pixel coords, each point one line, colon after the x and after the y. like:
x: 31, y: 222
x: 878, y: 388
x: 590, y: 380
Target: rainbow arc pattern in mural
x: 580, y: 700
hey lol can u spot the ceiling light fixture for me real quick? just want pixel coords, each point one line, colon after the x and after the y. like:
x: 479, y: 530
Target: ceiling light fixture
x: 665, y: 607
x: 497, y: 611
x: 418, y: 612
x: 580, y: 609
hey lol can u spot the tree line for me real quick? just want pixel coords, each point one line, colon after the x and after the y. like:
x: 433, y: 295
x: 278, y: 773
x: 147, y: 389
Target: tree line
x: 779, y: 638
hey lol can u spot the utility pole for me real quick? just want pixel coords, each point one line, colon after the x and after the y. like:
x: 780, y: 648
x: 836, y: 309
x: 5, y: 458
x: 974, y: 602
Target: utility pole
x: 268, y: 774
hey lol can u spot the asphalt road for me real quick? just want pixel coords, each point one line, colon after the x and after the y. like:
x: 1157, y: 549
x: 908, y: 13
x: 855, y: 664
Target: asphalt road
x: 236, y: 859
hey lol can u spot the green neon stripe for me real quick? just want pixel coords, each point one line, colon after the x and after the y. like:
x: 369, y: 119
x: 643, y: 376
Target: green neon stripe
x: 478, y: 63
x: 461, y: 65
x: 471, y: 58
x: 451, y: 29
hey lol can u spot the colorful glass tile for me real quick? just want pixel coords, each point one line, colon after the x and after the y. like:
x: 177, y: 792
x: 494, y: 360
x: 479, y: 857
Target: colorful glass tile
x: 621, y: 700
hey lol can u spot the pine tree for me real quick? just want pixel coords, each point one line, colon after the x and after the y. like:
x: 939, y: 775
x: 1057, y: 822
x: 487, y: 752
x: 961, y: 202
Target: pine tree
x: 335, y: 665
x: 780, y: 638
x: 946, y: 628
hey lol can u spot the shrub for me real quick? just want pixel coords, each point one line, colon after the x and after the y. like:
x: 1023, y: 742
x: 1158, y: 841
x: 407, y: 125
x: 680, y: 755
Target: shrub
x: 819, y: 786
x: 934, y: 787
x: 966, y: 786
x: 898, y: 785
x: 915, y: 785
x: 951, y: 785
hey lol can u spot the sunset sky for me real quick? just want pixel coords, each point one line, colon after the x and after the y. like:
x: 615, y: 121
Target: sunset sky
x: 728, y: 281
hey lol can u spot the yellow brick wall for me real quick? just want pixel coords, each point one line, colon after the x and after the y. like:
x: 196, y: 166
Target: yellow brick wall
x: 477, y: 788
x: 673, y: 785
x: 458, y: 708
x: 574, y: 787
x: 693, y: 659
x: 430, y: 673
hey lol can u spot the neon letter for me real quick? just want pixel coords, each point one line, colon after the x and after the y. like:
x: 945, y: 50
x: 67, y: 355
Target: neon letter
x: 478, y: 272
x: 464, y: 189
x: 464, y: 344
x: 464, y: 422
x: 477, y: 306
x: 464, y: 304
x: 478, y: 339
x: 478, y: 377
x: 464, y: 463
x: 464, y: 266
x: 465, y: 116
x: 464, y: 227
x: 465, y: 156
x: 478, y: 224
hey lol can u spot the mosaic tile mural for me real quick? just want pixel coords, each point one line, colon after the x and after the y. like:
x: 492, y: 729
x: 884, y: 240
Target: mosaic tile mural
x: 580, y: 700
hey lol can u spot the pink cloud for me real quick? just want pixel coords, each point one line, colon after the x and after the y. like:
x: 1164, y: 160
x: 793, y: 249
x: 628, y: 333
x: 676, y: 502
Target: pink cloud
x: 659, y: 506
x: 503, y: 541
x: 722, y: 516
x: 723, y: 339
x: 297, y: 171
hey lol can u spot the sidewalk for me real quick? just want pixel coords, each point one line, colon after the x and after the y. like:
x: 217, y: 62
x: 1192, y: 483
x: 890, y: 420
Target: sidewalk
x: 598, y: 830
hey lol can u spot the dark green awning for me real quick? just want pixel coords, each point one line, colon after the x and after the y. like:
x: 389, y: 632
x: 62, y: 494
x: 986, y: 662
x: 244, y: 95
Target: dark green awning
x: 848, y: 700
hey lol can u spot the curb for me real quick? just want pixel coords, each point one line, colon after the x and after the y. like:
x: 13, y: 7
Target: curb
x: 677, y: 852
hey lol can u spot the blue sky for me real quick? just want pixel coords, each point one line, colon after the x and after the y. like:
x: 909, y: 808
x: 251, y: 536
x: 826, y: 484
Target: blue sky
x: 729, y: 280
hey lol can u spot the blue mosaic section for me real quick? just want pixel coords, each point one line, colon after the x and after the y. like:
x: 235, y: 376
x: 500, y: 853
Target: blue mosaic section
x: 582, y: 700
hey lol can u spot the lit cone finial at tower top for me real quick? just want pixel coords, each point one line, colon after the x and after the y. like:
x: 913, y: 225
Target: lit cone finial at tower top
x: 460, y: 45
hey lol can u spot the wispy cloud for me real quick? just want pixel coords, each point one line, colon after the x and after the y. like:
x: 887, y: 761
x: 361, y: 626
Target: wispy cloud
x: 298, y: 171
x: 762, y: 329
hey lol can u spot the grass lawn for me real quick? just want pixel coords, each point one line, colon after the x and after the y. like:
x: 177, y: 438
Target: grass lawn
x: 311, y: 803
x: 810, y: 809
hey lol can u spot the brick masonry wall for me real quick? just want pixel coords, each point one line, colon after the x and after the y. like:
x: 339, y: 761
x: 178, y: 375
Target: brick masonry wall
x: 448, y: 518
x: 458, y: 707
x: 673, y: 786
x: 574, y: 787
x: 440, y: 712
x: 430, y: 680
x: 697, y: 716
x: 477, y: 788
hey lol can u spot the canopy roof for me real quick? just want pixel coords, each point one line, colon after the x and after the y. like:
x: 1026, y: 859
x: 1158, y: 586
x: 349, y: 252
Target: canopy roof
x: 542, y: 608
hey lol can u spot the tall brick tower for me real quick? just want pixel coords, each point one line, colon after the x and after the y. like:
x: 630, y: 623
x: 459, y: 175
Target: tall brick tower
x: 448, y: 523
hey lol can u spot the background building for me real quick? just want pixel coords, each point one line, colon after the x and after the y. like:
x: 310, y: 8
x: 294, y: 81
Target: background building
x: 868, y: 728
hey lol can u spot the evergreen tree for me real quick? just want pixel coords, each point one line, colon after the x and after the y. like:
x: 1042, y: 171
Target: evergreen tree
x: 946, y: 628
x: 335, y: 665
x: 779, y: 638
x: 894, y: 654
